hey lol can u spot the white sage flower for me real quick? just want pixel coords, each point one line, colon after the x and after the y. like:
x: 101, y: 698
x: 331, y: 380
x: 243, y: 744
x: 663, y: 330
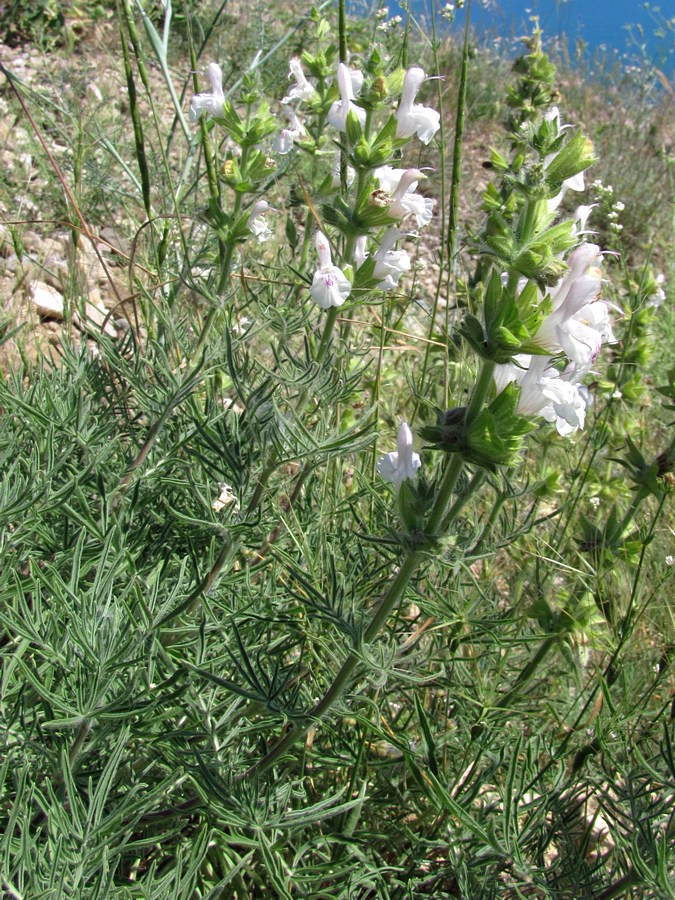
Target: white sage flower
x: 403, y: 462
x: 581, y: 214
x: 357, y: 81
x: 337, y: 114
x: 546, y: 392
x: 401, y: 184
x: 330, y: 286
x: 209, y: 104
x: 302, y: 89
x: 579, y: 322
x: 390, y: 264
x: 256, y: 222
x: 412, y: 117
x: 284, y: 141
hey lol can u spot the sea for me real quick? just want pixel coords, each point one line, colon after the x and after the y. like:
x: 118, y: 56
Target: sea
x: 632, y: 31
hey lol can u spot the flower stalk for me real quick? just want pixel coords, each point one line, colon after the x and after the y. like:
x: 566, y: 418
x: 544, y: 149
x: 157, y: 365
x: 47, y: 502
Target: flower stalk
x: 391, y: 597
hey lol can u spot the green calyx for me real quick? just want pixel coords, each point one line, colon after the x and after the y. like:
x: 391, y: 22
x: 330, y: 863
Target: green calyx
x: 510, y: 322
x: 494, y: 438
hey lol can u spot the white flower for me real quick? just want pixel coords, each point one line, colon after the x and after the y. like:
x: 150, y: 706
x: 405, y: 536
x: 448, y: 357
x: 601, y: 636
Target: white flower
x: 337, y: 115
x: 390, y: 264
x: 575, y: 183
x: 656, y: 299
x: 330, y: 286
x: 302, y: 90
x: 360, y: 253
x: 581, y: 214
x: 284, y: 141
x: 401, y: 184
x: 545, y: 392
x: 357, y: 81
x: 211, y: 103
x: 257, y: 224
x: 402, y: 463
x: 412, y: 117
x: 579, y: 322
x: 225, y: 497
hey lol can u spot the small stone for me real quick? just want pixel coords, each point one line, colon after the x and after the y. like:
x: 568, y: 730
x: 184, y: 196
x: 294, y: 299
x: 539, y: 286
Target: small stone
x: 16, y: 265
x: 55, y: 270
x: 32, y: 241
x: 116, y: 240
x: 46, y: 300
x: 97, y: 317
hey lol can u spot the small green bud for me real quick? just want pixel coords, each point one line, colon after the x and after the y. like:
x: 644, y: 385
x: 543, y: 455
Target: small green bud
x: 576, y: 156
x: 379, y: 88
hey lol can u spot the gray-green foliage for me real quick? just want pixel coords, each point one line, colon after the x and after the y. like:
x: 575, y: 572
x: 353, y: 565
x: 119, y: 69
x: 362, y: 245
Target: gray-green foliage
x: 505, y: 730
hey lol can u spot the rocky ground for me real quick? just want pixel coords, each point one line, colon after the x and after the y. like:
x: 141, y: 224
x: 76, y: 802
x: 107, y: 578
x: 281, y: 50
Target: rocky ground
x: 58, y: 274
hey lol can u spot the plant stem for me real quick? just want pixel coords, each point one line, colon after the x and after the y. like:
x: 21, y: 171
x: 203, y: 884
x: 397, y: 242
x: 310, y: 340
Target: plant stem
x: 394, y: 592
x: 453, y: 206
x: 530, y: 668
x: 480, y: 392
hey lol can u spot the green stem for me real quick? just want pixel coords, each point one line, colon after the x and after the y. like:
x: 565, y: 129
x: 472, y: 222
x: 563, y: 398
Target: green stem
x: 491, y: 519
x: 455, y: 179
x: 480, y: 391
x: 390, y: 599
x: 463, y: 499
x: 527, y: 673
x: 328, y: 329
x: 632, y: 509
x: 395, y: 591
x: 139, y: 142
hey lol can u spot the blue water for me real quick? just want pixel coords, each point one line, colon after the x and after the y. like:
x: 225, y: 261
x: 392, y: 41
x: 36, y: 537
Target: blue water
x: 622, y: 27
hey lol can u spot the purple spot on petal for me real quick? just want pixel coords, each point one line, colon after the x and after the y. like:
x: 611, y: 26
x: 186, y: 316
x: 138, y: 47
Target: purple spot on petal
x: 328, y: 280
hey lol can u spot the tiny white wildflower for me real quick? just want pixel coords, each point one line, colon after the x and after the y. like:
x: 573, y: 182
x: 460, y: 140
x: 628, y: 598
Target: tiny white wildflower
x: 225, y: 498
